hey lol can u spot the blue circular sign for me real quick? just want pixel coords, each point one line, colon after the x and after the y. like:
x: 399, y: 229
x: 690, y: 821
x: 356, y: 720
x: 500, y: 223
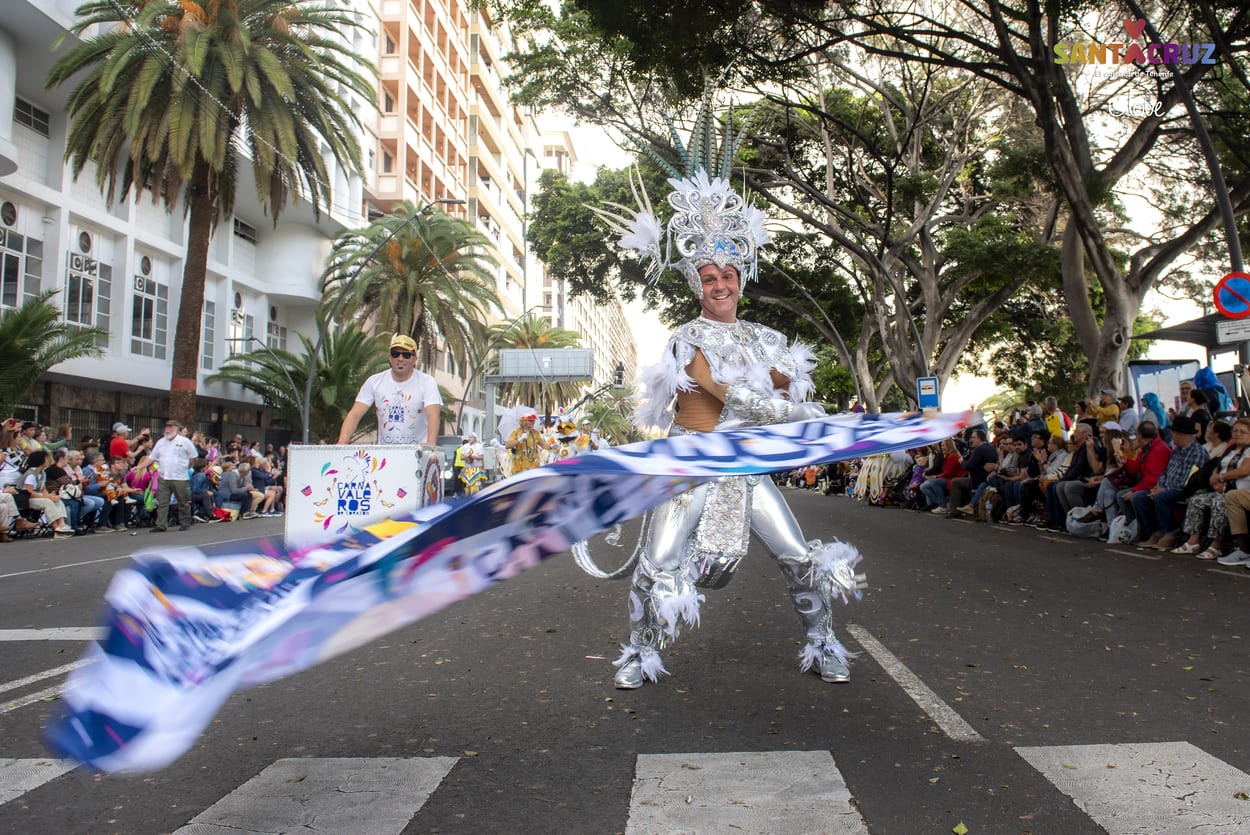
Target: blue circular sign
x: 1232, y: 295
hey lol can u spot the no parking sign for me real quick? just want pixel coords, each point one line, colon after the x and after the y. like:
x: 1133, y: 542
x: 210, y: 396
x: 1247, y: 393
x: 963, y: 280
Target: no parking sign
x: 1232, y: 295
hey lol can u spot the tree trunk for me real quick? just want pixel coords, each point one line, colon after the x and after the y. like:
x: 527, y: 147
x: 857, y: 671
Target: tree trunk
x: 186, y: 362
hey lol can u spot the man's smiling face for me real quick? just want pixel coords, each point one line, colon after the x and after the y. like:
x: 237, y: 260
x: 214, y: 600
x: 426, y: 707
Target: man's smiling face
x: 720, y: 292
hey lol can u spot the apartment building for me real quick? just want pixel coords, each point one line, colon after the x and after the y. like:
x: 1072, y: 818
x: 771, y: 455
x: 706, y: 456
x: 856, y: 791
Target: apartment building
x: 442, y: 128
x: 119, y: 267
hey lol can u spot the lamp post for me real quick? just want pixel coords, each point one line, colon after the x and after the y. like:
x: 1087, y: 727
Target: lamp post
x: 334, y: 308
x: 477, y: 369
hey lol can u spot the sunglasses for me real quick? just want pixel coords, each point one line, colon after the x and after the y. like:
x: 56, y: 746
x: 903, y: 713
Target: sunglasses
x: 395, y: 352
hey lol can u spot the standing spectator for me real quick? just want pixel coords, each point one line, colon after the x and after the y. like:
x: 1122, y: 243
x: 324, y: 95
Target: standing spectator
x: 407, y: 400
x: 1198, y: 411
x: 1155, y: 508
x: 1108, y: 407
x: 1057, y: 421
x: 1152, y: 411
x: 1128, y: 416
x: 1183, y: 406
x: 213, y: 453
x: 173, y: 454
x: 120, y: 446
x: 12, y: 459
x: 981, y: 460
x: 34, y: 484
x: 28, y: 440
x: 139, y: 480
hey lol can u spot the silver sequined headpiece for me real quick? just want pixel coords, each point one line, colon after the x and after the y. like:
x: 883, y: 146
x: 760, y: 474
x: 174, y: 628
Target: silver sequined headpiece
x: 712, y: 224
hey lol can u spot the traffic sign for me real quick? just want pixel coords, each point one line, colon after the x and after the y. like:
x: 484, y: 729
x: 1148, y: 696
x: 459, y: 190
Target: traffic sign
x: 1232, y: 295
x: 927, y: 396
x: 1232, y: 330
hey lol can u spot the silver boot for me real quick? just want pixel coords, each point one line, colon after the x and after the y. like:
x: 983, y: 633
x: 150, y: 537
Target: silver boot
x: 629, y: 676
x: 833, y: 670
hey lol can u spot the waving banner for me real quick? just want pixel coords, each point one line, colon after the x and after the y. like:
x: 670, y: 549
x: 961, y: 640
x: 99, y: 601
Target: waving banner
x: 188, y: 627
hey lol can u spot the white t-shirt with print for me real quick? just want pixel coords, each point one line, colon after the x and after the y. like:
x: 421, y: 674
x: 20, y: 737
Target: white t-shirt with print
x: 401, y: 406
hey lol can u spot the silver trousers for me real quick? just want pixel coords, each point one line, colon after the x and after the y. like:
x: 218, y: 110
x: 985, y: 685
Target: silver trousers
x: 664, y: 597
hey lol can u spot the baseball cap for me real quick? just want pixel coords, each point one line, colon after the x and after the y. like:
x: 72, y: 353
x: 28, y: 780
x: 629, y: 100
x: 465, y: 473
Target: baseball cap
x: 403, y: 342
x: 1109, y: 392
x: 121, y: 427
x: 1111, y: 424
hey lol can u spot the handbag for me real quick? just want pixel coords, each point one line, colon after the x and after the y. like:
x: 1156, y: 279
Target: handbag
x: 70, y: 491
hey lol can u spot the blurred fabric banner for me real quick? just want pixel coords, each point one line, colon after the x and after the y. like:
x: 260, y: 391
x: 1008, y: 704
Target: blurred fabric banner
x: 188, y: 627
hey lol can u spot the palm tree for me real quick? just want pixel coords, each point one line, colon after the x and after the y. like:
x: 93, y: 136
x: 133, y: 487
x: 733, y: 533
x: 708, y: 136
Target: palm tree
x: 534, y: 332
x: 433, y: 279
x: 170, y: 91
x: 612, y: 414
x: 348, y: 356
x: 33, y: 338
x: 448, y: 413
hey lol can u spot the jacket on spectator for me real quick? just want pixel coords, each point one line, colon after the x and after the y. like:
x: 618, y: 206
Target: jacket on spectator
x: 976, y: 459
x: 1151, y: 462
x: 951, y: 468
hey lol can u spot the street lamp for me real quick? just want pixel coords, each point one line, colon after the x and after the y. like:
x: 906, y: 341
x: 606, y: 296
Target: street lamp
x: 334, y: 308
x: 494, y: 343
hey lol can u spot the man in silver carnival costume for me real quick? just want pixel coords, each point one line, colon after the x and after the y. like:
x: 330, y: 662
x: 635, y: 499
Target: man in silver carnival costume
x: 720, y: 373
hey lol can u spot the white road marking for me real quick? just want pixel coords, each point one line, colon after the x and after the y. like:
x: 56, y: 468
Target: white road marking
x: 1241, y: 572
x: 1141, y: 555
x: 759, y: 791
x: 56, y: 671
x: 950, y: 722
x: 1147, y: 787
x: 60, y: 633
x: 102, y: 559
x: 361, y: 795
x: 30, y: 699
x: 20, y: 776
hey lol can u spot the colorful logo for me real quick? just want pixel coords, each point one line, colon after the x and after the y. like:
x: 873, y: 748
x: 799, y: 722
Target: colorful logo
x: 349, y: 492
x: 1143, y: 54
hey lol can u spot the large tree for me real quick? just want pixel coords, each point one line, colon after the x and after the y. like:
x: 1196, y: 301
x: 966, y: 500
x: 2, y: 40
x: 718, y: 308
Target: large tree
x: 1094, y: 153
x: 171, y: 94
x: 416, y: 271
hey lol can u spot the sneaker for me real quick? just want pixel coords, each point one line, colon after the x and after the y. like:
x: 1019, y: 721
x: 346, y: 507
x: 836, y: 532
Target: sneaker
x: 969, y: 509
x: 1237, y: 557
x: 940, y: 511
x: 201, y: 519
x: 249, y: 515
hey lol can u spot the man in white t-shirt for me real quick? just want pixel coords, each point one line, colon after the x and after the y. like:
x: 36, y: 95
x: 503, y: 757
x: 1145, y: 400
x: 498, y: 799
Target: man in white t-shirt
x: 407, y: 400
x: 173, y: 454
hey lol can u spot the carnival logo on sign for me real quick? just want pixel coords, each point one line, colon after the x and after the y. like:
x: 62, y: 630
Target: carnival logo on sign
x: 349, y: 492
x: 1132, y: 52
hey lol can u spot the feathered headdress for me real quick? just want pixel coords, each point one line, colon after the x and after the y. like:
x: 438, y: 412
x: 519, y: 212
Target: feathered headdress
x: 712, y: 223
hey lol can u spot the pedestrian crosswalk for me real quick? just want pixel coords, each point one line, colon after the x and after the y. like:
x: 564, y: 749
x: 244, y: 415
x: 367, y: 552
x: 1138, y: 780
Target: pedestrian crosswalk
x: 1123, y: 788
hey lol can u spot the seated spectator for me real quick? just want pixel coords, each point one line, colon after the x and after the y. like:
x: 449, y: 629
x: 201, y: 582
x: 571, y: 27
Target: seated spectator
x: 981, y: 460
x: 1014, y: 467
x: 1218, y: 435
x: 28, y: 438
x: 1155, y: 508
x: 11, y: 521
x: 1199, y: 412
x: 201, y: 491
x: 271, y: 493
x: 937, y: 483
x: 1077, y: 486
x: 1234, y: 469
x: 92, y: 501
x: 230, y: 488
x: 1236, y: 505
x: 1152, y: 410
x: 1058, y: 422
x: 58, y: 481
x: 1050, y: 460
x: 12, y: 458
x: 39, y: 497
x: 119, y: 496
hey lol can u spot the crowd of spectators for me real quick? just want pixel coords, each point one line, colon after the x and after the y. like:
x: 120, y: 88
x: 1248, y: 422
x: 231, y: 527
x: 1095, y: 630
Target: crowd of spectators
x: 51, y: 485
x: 1124, y: 472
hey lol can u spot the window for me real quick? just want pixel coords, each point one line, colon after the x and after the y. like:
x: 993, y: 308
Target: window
x: 207, y: 347
x: 25, y: 113
x: 388, y: 103
x: 88, y: 293
x: 242, y: 329
x: 276, y: 337
x: 245, y: 231
x: 21, y: 266
x: 388, y: 163
x: 149, y: 318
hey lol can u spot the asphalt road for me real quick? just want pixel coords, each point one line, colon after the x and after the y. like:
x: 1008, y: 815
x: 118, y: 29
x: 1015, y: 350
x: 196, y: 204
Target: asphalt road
x: 985, y: 651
